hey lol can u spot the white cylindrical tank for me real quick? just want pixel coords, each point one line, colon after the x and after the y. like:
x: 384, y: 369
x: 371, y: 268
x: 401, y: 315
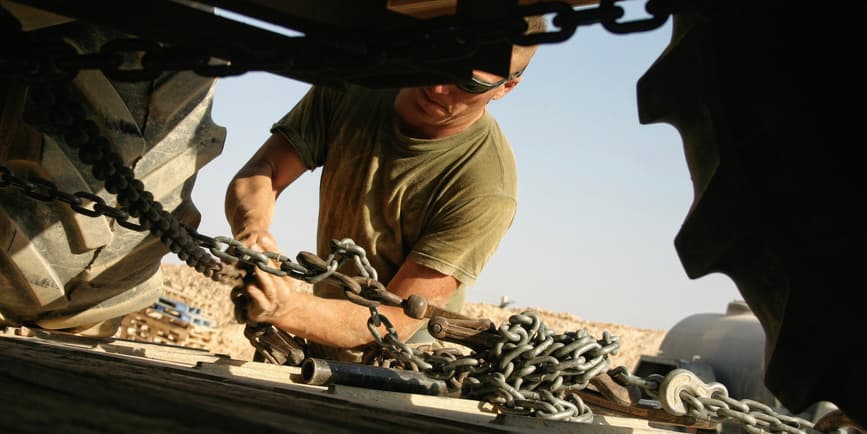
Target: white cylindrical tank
x: 732, y: 344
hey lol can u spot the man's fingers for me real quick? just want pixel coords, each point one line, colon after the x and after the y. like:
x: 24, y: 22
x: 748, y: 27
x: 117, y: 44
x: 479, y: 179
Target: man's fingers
x: 258, y: 297
x: 260, y: 308
x: 267, y: 294
x: 266, y: 282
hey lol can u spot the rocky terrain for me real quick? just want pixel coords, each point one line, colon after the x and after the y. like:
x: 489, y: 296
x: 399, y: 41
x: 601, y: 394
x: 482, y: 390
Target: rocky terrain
x: 226, y: 336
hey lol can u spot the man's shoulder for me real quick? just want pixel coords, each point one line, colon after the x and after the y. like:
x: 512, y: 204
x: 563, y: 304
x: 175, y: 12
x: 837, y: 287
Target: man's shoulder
x: 494, y: 135
x: 494, y: 162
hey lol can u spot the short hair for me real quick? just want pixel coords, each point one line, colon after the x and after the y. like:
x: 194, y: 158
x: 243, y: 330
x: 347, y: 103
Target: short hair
x: 521, y: 54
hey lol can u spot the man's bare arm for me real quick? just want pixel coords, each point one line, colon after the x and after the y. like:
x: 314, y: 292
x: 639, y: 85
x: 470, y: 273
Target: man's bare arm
x: 250, y: 201
x: 252, y: 194
x: 341, y: 323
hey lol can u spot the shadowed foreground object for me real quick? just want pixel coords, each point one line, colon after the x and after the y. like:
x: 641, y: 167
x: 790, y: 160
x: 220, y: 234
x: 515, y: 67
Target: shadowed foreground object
x: 769, y: 102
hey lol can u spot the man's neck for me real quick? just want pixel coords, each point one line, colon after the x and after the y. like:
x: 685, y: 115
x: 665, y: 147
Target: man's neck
x: 435, y: 132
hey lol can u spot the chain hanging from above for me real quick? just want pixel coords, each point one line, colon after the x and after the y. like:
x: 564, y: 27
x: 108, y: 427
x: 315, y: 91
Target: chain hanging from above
x: 306, y: 58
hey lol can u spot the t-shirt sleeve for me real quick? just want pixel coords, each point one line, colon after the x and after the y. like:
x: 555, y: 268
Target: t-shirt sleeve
x: 309, y: 124
x: 461, y: 239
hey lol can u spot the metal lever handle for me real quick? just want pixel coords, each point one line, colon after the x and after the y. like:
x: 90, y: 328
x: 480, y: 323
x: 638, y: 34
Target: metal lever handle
x: 445, y: 325
x: 478, y: 334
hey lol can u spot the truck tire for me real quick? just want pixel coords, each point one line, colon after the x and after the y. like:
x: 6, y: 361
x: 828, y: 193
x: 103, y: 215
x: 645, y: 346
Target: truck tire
x: 62, y: 270
x: 776, y: 162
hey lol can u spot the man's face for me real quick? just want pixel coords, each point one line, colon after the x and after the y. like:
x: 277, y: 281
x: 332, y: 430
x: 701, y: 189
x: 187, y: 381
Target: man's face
x: 445, y: 105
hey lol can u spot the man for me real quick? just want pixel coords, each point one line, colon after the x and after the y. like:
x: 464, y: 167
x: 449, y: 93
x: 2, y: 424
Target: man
x: 421, y: 178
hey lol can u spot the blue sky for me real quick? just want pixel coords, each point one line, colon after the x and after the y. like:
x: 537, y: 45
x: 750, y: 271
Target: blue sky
x: 601, y: 197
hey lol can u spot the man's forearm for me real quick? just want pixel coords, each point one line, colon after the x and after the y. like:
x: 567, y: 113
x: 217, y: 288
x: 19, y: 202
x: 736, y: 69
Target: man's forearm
x: 338, y: 323
x: 251, y: 196
x: 250, y: 201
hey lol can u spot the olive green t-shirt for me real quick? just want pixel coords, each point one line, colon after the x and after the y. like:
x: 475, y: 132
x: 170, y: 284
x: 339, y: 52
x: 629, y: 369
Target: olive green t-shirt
x: 444, y: 204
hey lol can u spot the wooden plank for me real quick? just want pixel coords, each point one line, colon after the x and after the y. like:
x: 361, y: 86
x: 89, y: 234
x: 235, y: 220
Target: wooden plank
x: 474, y: 412
x: 76, y: 390
x: 123, y: 387
x: 173, y: 354
x: 252, y: 370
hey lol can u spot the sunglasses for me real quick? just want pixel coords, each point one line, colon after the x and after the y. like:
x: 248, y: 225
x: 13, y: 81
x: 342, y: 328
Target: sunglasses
x: 475, y: 85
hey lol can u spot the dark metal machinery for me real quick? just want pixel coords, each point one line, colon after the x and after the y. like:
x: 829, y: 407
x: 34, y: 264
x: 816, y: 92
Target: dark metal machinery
x: 768, y: 98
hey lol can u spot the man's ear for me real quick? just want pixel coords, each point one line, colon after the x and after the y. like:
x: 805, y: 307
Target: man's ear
x: 507, y: 87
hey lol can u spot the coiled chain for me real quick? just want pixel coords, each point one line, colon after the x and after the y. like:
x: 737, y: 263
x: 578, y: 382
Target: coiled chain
x: 531, y: 370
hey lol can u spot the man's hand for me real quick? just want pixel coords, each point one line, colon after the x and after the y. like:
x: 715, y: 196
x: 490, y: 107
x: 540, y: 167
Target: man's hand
x: 270, y: 296
x: 262, y: 297
x: 260, y: 240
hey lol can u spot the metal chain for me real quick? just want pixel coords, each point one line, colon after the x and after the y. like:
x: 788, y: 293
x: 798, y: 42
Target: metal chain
x: 529, y: 371
x: 47, y: 191
x: 92, y: 205
x: 681, y: 392
x: 567, y: 19
x: 136, y: 59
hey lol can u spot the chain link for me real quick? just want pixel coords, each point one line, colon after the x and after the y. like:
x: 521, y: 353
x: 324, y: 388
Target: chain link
x: 534, y: 371
x: 681, y: 392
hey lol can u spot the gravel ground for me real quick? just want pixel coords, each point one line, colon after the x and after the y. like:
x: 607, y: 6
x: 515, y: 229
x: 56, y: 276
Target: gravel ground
x: 186, y: 285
